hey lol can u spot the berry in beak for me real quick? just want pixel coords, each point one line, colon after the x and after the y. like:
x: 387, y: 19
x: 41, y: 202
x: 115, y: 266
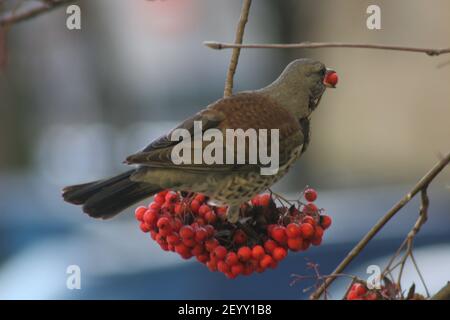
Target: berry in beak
x: 331, y: 79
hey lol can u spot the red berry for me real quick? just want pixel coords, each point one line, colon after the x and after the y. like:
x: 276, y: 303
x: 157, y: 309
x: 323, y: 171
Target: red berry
x: 200, y: 221
x: 160, y: 238
x: 307, y: 230
x: 266, y: 261
x: 270, y: 245
x: 200, y: 197
x: 310, y: 220
x: 179, y: 209
x: 319, y: 232
x: 270, y: 228
x: 144, y: 227
x: 310, y: 194
x: 210, y: 229
x: 139, y: 213
x: 239, y: 237
x: 371, y: 296
x: 167, y: 207
x: 159, y: 198
x: 258, y: 252
x: 155, y: 206
x: 202, y: 258
x: 255, y: 201
x: 279, y: 234
x: 325, y: 221
x: 232, y: 258
x: 244, y: 253
x: 295, y: 244
x: 230, y: 275
x: 293, y: 230
x: 316, y: 241
x: 197, y: 250
x: 204, y: 208
x: 201, y: 234
x: 237, y: 269
x: 220, y: 252
x: 212, y: 265
x: 210, y: 217
x: 171, y: 197
x: 248, y: 270
x: 222, y: 213
x: 195, y: 205
x: 331, y: 78
x: 164, y: 246
x: 359, y: 289
x: 162, y: 193
x: 173, y: 239
x: 163, y: 223
x: 264, y: 200
x: 352, y: 296
x: 182, y: 250
x: 176, y: 224
x: 310, y: 208
x: 305, y: 245
x: 189, y: 242
x: 187, y: 232
x: 274, y: 264
x: 222, y: 266
x: 211, y: 244
x: 150, y: 217
x: 279, y: 253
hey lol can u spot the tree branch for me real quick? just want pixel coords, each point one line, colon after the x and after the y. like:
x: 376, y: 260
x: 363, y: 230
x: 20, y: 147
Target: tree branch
x: 44, y: 6
x: 236, y: 51
x: 315, y: 45
x: 420, y: 186
x: 443, y: 294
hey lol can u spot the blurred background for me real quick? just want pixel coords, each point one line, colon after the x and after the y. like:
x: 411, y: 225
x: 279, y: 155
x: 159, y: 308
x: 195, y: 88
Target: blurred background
x: 74, y: 104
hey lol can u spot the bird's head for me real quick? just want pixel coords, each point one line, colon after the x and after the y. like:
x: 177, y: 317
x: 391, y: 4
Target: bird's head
x: 301, y: 85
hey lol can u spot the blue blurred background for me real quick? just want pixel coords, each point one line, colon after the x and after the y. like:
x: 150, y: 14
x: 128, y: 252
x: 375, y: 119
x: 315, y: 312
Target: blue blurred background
x: 74, y: 104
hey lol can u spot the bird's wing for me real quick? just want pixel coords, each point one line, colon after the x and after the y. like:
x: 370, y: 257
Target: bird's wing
x: 241, y: 111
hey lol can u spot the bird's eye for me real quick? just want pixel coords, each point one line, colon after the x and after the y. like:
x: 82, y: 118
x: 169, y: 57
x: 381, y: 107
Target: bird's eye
x: 323, y: 71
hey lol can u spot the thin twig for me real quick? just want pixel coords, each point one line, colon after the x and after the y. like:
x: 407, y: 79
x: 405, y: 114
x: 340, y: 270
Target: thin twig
x: 408, y: 243
x: 315, y: 45
x: 45, y: 6
x: 228, y: 91
x: 420, y: 274
x: 421, y: 185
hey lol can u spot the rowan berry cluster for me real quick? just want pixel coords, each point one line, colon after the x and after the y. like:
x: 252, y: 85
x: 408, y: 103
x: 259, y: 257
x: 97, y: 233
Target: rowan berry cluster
x: 359, y: 291
x: 187, y: 224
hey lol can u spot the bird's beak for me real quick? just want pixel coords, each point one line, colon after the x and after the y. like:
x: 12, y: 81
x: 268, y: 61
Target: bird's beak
x: 331, y: 78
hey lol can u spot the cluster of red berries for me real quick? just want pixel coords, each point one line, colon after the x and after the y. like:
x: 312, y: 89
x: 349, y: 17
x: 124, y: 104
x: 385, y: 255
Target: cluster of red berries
x: 359, y: 291
x: 187, y: 224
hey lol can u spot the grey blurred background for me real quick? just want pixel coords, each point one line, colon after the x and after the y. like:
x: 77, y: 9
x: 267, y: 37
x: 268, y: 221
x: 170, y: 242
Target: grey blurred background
x: 74, y: 104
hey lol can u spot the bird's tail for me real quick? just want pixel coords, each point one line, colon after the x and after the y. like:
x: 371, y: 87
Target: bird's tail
x: 106, y: 198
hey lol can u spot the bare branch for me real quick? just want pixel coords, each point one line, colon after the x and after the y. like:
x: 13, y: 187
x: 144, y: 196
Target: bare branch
x: 236, y: 51
x: 443, y: 294
x: 43, y: 7
x: 420, y: 186
x: 408, y: 245
x: 315, y: 45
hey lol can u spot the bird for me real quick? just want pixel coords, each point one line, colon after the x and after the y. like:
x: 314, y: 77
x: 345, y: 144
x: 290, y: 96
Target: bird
x: 285, y: 104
